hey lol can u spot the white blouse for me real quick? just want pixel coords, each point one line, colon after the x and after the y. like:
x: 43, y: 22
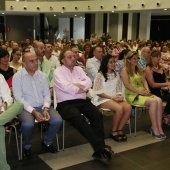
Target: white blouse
x: 111, y: 87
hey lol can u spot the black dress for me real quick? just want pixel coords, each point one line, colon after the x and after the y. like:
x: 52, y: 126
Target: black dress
x: 8, y: 75
x: 163, y: 94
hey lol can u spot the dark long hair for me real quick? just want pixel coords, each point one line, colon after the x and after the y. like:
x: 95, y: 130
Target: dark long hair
x: 103, y: 67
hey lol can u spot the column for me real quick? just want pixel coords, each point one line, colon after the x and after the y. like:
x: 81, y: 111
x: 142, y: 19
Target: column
x: 144, y: 25
x: 125, y: 25
x: 42, y: 36
x: 71, y: 27
x: 105, y: 23
x: 115, y: 26
x: 99, y: 23
x: 129, y: 29
x: 120, y: 26
x: 88, y: 25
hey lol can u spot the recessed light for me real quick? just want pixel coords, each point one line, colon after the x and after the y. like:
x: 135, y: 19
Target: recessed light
x: 62, y: 12
x: 165, y: 9
x: 3, y: 13
x: 80, y: 17
x: 54, y: 15
x: 75, y: 15
x: 113, y: 11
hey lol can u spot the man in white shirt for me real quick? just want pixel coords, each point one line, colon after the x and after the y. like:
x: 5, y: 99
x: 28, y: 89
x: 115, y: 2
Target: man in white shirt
x: 93, y: 64
x: 30, y: 86
x: 48, y: 55
x: 8, y: 111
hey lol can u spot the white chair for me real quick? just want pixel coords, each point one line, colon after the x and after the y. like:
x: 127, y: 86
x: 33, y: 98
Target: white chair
x: 55, y: 105
x: 16, y: 136
x: 137, y: 107
x: 108, y: 110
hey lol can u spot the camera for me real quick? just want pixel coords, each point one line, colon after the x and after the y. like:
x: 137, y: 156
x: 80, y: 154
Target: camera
x: 129, y: 5
x: 115, y: 6
x: 76, y: 7
x: 51, y: 7
x: 11, y: 7
x: 63, y: 7
x: 89, y: 7
x: 25, y: 7
x: 38, y: 7
x: 101, y: 7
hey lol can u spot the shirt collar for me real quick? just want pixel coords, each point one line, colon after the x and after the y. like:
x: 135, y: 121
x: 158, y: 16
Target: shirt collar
x: 26, y: 73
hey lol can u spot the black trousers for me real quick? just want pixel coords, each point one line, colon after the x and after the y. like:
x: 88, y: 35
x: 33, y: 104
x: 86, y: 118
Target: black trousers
x: 166, y: 97
x: 71, y: 111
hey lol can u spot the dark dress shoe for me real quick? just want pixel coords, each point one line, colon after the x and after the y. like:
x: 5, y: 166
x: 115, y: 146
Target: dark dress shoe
x: 102, y: 157
x: 48, y: 148
x: 26, y: 153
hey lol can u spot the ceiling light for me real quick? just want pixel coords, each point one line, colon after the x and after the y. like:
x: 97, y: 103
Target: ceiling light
x: 54, y: 15
x: 75, y: 15
x: 3, y: 13
x: 165, y: 9
x: 113, y: 11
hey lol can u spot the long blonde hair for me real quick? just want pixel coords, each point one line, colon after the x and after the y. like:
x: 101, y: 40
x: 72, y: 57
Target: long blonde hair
x: 128, y: 68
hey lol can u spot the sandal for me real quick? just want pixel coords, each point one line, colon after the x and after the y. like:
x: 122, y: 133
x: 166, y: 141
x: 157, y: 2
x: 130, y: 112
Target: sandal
x: 116, y: 138
x: 166, y: 121
x: 122, y: 135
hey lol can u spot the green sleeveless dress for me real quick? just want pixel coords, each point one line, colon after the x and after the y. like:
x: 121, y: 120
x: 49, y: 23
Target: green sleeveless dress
x: 132, y: 97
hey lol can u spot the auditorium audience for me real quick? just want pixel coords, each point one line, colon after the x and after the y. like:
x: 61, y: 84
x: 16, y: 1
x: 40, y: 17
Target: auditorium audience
x: 30, y: 86
x: 137, y: 92
x: 8, y: 111
x: 5, y: 70
x: 93, y: 64
x: 14, y: 60
x: 71, y: 85
x: 158, y: 83
x: 107, y: 94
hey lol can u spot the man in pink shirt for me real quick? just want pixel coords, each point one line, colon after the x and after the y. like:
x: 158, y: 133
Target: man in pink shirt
x: 71, y: 85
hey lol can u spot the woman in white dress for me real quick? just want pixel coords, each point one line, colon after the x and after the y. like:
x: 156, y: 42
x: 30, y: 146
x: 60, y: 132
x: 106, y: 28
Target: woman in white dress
x: 107, y: 94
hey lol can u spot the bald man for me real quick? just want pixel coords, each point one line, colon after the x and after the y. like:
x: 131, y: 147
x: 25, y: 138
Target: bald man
x: 30, y: 86
x: 43, y: 64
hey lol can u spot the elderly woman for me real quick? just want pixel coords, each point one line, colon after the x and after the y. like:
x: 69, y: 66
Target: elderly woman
x: 158, y: 83
x: 137, y: 93
x: 107, y: 91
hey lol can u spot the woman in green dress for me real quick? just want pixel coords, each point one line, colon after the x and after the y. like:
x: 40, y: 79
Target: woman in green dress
x: 137, y: 93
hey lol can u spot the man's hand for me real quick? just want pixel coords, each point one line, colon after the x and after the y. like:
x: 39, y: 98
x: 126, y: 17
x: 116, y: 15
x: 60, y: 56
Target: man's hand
x: 79, y: 85
x: 46, y: 115
x: 38, y: 116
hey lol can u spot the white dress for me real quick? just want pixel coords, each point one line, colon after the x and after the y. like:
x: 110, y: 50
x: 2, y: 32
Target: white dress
x: 112, y: 87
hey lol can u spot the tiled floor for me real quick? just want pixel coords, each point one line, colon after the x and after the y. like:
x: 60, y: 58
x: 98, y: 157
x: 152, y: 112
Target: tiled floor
x: 139, y: 153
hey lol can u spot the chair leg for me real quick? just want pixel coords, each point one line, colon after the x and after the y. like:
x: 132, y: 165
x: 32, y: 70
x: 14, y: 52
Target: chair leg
x: 130, y: 131
x: 63, y: 133
x: 16, y: 137
x: 21, y: 147
x: 58, y: 147
x: 135, y: 120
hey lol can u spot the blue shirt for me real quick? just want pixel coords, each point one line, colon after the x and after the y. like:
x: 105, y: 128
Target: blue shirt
x: 142, y: 62
x: 32, y: 91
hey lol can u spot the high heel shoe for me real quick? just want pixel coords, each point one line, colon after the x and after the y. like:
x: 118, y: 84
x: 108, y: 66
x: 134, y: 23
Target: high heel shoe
x: 163, y: 136
x: 123, y: 136
x: 116, y: 138
x: 159, y: 137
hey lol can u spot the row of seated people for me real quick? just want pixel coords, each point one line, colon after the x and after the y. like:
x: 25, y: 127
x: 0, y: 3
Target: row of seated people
x: 71, y: 84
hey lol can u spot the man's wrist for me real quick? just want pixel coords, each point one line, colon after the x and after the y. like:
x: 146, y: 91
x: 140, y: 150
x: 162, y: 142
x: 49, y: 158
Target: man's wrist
x: 46, y: 108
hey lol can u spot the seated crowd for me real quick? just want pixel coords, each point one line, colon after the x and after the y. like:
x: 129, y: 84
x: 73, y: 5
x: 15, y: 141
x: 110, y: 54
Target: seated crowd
x: 119, y: 74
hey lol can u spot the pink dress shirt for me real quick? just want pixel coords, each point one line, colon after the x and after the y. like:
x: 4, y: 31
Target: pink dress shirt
x: 64, y: 80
